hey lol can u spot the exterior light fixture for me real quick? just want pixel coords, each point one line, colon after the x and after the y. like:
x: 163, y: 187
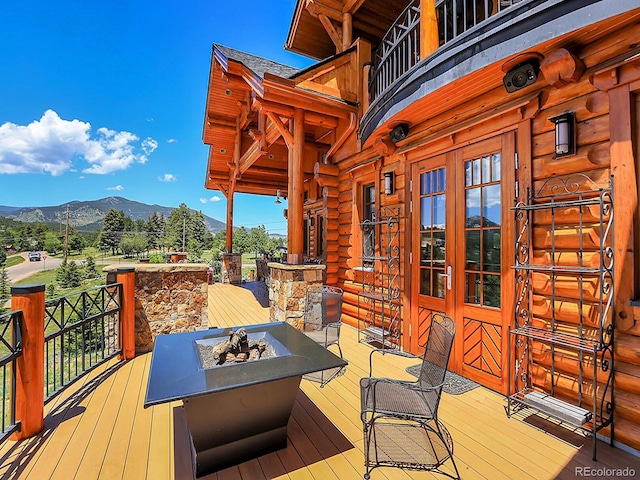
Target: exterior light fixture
x: 228, y: 92
x: 223, y: 150
x: 278, y: 196
x: 565, y: 134
x: 389, y: 183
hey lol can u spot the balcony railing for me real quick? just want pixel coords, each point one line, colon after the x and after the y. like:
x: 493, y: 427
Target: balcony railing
x: 399, y: 50
x: 81, y: 332
x: 11, y: 349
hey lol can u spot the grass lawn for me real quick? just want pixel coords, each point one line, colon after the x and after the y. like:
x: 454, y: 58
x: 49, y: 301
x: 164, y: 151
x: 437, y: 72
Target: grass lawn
x: 14, y: 260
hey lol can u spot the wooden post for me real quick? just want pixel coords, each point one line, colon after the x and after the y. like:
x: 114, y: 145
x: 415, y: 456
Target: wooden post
x: 30, y: 365
x: 625, y: 196
x: 429, y: 40
x: 229, y: 238
x: 127, y: 277
x: 347, y: 30
x: 295, y: 227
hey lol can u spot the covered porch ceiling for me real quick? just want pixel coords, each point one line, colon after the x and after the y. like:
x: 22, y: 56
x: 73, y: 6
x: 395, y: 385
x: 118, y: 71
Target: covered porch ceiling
x: 248, y: 123
x: 313, y: 19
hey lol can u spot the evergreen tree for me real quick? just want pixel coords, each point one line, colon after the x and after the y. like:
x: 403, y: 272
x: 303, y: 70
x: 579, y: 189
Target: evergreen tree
x: 257, y: 239
x: 68, y: 275
x: 90, y: 267
x: 155, y: 227
x: 112, y: 228
x: 240, y: 240
x: 5, y: 288
x: 177, y: 227
x: 3, y: 256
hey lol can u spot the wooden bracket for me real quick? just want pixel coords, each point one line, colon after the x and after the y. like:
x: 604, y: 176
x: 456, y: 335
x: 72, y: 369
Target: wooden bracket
x: 561, y: 67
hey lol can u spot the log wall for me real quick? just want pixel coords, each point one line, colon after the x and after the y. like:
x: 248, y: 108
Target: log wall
x: 599, y: 135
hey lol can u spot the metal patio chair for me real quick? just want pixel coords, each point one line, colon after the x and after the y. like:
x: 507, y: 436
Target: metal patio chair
x: 400, y: 418
x: 322, y: 320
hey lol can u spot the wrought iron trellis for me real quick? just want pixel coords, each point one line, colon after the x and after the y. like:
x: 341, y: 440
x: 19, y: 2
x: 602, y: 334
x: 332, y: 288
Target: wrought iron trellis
x: 379, y: 300
x: 569, y: 205
x: 81, y: 332
x: 11, y: 347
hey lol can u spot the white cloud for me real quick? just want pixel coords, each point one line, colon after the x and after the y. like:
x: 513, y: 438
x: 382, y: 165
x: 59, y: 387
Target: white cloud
x: 172, y: 140
x: 53, y: 145
x: 167, y: 177
x: 215, y: 198
x: 119, y: 188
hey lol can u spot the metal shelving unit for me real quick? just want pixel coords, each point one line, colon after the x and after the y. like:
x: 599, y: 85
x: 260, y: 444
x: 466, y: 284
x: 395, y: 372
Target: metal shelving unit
x: 379, y: 299
x: 574, y: 254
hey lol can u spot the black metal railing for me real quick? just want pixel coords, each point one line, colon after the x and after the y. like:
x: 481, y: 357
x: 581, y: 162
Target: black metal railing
x: 81, y: 332
x: 399, y: 50
x: 10, y: 349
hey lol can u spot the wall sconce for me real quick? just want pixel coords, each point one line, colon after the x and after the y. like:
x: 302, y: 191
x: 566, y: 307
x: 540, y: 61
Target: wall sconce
x: 278, y: 196
x: 565, y: 134
x: 389, y: 183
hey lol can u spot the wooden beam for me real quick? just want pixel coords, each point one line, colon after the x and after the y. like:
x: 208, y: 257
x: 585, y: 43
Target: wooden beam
x: 316, y: 8
x: 429, y: 40
x: 284, y: 131
x: 295, y: 231
x: 352, y: 6
x: 334, y: 34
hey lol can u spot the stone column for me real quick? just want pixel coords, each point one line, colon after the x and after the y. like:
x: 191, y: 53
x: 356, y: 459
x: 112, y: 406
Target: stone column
x: 288, y: 289
x: 231, y: 271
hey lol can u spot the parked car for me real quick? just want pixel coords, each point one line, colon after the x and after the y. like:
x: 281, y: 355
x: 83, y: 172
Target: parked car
x: 34, y: 256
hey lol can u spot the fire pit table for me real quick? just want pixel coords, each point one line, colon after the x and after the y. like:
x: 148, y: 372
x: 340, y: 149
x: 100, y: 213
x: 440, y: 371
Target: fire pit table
x: 235, y: 411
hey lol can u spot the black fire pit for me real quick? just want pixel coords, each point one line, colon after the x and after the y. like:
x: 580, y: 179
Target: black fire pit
x: 235, y: 411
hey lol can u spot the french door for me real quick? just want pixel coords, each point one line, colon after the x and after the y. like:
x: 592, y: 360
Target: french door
x: 462, y: 251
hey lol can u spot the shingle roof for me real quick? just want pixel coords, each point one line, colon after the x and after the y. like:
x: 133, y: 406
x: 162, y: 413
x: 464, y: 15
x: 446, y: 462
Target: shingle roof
x: 257, y: 65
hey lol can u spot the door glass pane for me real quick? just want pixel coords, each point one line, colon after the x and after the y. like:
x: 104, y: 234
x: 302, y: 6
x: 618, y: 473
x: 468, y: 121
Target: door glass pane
x: 432, y: 236
x: 495, y: 167
x: 473, y: 250
x: 482, y: 231
x: 472, y: 288
x: 439, y: 217
x: 473, y: 208
x: 491, y: 250
x: 438, y: 247
x: 439, y: 281
x: 491, y: 205
x: 491, y: 293
x: 425, y: 281
x: 486, y: 169
x: 425, y: 249
x: 425, y: 212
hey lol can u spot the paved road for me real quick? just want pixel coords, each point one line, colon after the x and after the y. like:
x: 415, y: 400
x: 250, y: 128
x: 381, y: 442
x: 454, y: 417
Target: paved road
x: 26, y: 268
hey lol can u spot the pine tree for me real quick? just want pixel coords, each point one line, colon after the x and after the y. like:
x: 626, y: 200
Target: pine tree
x: 112, y: 228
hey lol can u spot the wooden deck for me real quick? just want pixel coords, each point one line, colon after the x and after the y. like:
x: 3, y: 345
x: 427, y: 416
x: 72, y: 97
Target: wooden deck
x: 98, y: 429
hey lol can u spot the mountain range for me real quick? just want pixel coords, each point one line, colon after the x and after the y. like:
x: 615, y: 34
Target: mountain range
x: 88, y: 215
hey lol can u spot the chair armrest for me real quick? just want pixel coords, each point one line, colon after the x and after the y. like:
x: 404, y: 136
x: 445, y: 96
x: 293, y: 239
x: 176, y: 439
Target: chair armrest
x: 385, y: 351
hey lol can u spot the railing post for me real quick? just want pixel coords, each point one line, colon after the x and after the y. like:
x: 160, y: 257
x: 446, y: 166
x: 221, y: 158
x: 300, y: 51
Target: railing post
x: 429, y: 40
x: 127, y: 277
x: 30, y: 365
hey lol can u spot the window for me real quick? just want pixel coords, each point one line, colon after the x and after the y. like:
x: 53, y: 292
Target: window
x: 368, y: 228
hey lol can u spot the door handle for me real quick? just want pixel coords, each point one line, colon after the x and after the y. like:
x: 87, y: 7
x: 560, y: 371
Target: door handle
x: 448, y: 275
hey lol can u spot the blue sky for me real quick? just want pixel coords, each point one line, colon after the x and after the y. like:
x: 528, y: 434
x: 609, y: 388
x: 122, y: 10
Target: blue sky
x: 107, y: 98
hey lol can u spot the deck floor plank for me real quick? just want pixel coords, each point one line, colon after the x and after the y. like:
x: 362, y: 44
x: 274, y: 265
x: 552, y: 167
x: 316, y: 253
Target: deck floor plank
x: 97, y: 428
x: 121, y: 432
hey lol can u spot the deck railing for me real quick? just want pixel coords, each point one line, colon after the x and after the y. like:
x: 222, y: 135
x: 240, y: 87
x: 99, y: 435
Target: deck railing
x: 399, y: 50
x: 11, y: 349
x: 81, y: 332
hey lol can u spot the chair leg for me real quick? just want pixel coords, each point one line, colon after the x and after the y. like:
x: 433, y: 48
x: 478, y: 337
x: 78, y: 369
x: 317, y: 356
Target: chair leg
x: 443, y: 434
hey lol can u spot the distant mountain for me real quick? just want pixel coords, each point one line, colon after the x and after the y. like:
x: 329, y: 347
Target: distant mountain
x: 88, y: 215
